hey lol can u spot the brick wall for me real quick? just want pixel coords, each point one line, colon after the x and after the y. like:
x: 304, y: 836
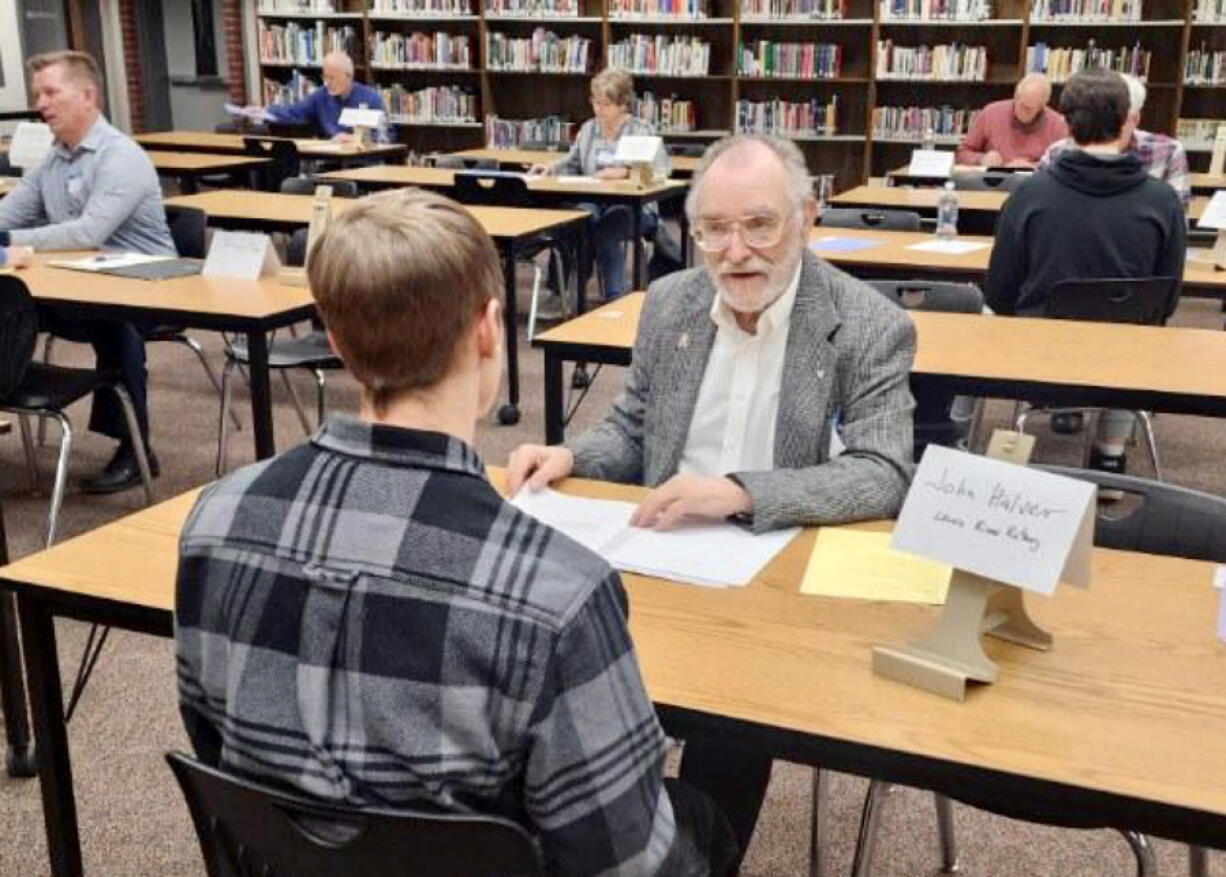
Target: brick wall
x: 132, y: 67
x: 232, y: 28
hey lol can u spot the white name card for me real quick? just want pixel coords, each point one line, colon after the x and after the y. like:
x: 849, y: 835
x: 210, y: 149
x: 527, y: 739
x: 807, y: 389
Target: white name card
x: 1009, y: 523
x: 242, y: 255
x: 638, y: 149
x: 30, y: 144
x: 354, y: 117
x: 1218, y: 158
x: 930, y: 163
x: 1214, y: 215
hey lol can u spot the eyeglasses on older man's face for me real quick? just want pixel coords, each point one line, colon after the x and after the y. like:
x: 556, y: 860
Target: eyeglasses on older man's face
x: 759, y: 230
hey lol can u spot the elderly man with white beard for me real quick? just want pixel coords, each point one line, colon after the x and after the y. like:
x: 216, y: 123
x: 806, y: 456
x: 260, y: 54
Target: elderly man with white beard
x: 742, y: 369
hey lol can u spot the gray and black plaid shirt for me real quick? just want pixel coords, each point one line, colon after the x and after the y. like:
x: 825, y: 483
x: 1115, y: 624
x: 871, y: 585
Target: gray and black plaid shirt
x: 365, y: 620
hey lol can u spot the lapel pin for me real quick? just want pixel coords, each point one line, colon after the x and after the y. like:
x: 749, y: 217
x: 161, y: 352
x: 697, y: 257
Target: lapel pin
x: 684, y: 341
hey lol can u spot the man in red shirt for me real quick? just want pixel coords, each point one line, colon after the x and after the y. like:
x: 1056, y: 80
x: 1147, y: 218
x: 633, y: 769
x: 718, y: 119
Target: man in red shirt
x: 1014, y: 133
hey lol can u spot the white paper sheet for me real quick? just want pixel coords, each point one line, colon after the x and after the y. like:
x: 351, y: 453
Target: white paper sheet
x: 1219, y: 577
x: 258, y: 114
x: 714, y: 554
x: 107, y: 261
x: 30, y: 144
x: 954, y: 247
x: 593, y: 181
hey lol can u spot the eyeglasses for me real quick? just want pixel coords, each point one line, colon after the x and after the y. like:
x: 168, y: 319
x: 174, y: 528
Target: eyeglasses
x: 760, y: 231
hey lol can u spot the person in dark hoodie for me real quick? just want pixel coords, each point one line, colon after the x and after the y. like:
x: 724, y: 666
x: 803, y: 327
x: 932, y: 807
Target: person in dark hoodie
x: 1094, y: 212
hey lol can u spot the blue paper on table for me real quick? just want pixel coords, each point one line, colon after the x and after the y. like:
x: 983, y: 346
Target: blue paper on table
x: 843, y: 245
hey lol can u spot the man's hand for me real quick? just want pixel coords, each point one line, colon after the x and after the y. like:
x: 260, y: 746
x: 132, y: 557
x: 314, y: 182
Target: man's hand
x: 19, y: 257
x: 343, y: 137
x: 992, y: 158
x: 691, y: 496
x: 537, y: 466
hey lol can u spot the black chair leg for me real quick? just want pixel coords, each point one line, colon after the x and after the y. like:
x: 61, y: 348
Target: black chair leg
x: 20, y: 761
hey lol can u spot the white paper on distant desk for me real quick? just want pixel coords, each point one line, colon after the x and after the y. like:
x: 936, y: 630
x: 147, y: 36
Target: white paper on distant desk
x: 30, y: 144
x: 106, y: 261
x: 1214, y: 215
x: 714, y: 554
x: 954, y: 247
x: 579, y: 180
x: 930, y: 163
x: 257, y: 114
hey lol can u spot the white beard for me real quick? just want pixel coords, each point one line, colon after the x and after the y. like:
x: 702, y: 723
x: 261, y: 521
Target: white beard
x: 776, y: 284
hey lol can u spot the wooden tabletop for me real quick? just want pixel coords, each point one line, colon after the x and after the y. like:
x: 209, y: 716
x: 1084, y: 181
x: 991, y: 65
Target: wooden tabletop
x: 197, y: 294
x: 1207, y: 183
x: 904, y: 198
x: 209, y: 141
x: 1130, y: 701
x: 682, y: 164
x: 499, y: 222
x: 7, y: 184
x: 403, y: 175
x: 201, y: 162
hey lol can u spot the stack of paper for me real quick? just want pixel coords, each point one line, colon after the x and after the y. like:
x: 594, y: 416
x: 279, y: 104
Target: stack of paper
x: 860, y: 564
x: 716, y: 554
x: 107, y: 261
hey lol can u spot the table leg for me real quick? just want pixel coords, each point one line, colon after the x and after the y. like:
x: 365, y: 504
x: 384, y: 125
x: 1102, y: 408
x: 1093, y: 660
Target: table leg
x: 188, y: 184
x: 261, y: 395
x: 509, y: 414
x: 20, y: 761
x: 636, y: 220
x: 555, y: 424
x: 51, y: 737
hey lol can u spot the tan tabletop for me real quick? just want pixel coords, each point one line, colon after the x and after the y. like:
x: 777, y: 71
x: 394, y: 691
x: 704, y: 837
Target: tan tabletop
x: 903, y: 198
x: 403, y: 175
x: 201, y: 162
x: 681, y: 164
x: 1196, y: 207
x: 8, y: 184
x: 208, y: 141
x: 1131, y: 701
x: 1207, y: 183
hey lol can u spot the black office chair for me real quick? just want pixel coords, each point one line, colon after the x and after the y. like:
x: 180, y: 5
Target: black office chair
x: 283, y: 160
x: 883, y: 220
x: 1147, y: 301
x: 245, y: 829
x: 987, y: 181
x: 307, y: 185
x: 686, y: 150
x: 310, y: 352
x: 1159, y: 519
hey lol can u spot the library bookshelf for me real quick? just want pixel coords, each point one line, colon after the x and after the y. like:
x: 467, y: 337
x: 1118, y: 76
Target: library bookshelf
x: 848, y: 80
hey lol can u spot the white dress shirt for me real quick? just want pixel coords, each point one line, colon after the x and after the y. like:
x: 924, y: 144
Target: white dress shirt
x: 733, y: 427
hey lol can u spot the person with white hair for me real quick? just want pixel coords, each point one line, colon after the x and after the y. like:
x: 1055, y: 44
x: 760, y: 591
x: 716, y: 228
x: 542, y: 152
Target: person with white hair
x: 1163, y: 157
x: 1014, y: 132
x: 741, y: 371
x: 322, y: 107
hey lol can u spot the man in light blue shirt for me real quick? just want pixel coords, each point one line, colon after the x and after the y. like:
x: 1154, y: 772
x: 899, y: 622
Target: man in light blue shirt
x: 96, y: 189
x: 322, y: 107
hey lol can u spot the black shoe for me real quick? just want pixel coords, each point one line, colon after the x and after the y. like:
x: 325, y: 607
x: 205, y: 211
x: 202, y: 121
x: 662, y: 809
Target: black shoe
x: 1067, y: 423
x: 122, y: 473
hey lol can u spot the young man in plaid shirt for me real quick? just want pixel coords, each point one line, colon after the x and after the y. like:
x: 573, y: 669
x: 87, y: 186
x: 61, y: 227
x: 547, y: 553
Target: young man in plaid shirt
x: 365, y: 620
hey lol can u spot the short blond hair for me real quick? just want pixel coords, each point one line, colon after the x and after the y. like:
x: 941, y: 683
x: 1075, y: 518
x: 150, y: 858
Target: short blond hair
x: 614, y: 85
x: 80, y: 66
x: 399, y: 278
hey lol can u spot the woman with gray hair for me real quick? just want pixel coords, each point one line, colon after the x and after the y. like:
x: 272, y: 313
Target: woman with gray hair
x: 612, y: 94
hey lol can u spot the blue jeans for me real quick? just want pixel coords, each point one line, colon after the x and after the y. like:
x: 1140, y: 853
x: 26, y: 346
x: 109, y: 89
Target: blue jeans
x: 609, y: 227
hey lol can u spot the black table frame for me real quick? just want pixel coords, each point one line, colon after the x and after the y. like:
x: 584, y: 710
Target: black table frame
x: 1015, y: 794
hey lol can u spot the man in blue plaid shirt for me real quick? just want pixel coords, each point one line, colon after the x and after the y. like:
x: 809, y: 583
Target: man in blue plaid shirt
x: 365, y: 620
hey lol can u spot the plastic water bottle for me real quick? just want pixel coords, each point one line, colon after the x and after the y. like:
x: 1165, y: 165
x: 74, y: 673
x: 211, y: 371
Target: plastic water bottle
x: 929, y: 138
x: 947, y: 212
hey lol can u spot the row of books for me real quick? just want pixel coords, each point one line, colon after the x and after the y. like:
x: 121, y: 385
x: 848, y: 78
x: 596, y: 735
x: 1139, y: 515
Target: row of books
x: 285, y: 93
x: 820, y: 10
x: 421, y: 7
x: 793, y: 60
x: 421, y: 51
x: 657, y: 8
x: 788, y: 118
x: 296, y: 6
x: 666, y: 114
x: 936, y: 10
x: 1194, y: 132
x: 294, y: 43
x: 1061, y: 63
x: 513, y: 133
x: 544, y: 51
x: 1209, y: 11
x: 1085, y: 10
x: 438, y: 103
x: 661, y: 55
x: 944, y: 61
x: 911, y: 123
x: 533, y: 8
x: 1205, y: 67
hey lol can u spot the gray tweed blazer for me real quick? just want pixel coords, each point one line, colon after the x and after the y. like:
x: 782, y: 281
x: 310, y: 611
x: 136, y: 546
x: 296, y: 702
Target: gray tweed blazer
x: 849, y: 353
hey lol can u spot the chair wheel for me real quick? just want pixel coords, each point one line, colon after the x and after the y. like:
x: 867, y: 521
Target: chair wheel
x: 580, y: 378
x: 508, y: 415
x: 22, y: 762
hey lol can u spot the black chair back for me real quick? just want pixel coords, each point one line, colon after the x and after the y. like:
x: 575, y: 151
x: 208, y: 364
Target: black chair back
x: 282, y: 156
x: 18, y: 333
x: 987, y: 181
x: 306, y: 186
x: 1143, y: 300
x: 477, y: 187
x: 247, y: 829
x: 1156, y: 518
x: 884, y: 220
x: 295, y: 250
x: 931, y: 295
x: 688, y: 150
x: 291, y: 129
x: 187, y: 229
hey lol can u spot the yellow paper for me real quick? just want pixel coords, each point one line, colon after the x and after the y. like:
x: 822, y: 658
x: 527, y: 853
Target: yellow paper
x: 861, y: 564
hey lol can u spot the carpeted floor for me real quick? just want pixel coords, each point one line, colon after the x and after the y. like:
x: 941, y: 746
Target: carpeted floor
x: 133, y: 821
